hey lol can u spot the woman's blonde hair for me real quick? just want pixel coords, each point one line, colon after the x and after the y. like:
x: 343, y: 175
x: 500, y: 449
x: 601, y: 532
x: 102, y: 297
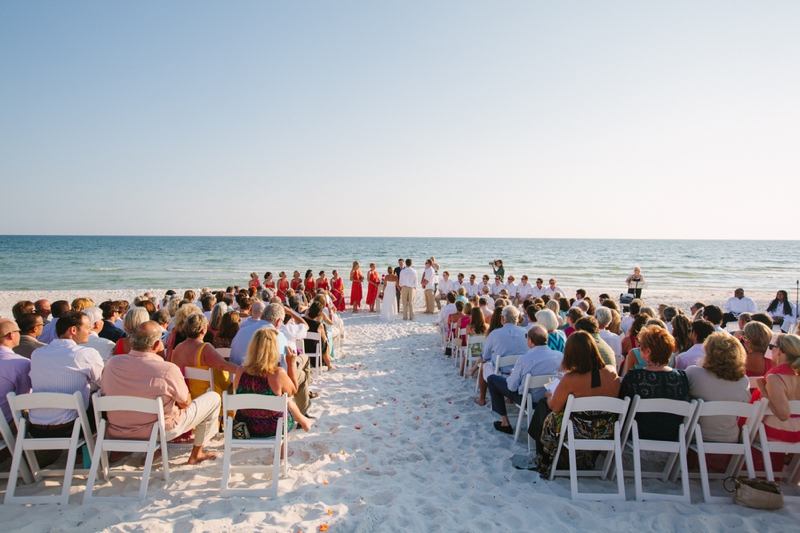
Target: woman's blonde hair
x: 79, y: 304
x: 758, y: 336
x: 173, y: 306
x: 616, y: 323
x: 725, y: 357
x: 789, y: 344
x: 133, y: 318
x: 262, y: 353
x: 182, y: 314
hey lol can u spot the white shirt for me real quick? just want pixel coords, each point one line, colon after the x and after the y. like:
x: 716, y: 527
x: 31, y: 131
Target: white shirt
x: 429, y: 275
x: 613, y: 340
x: 48, y: 332
x: 481, y: 285
x: 66, y: 367
x: 737, y: 306
x: 577, y: 302
x: 444, y: 314
x: 552, y: 292
x: 524, y: 290
x: 626, y: 323
x: 472, y: 288
x: 489, y: 301
x: 455, y: 285
x: 445, y: 286
x: 512, y: 289
x: 103, y: 346
x: 408, y: 278
x: 538, y: 292
x: 690, y: 357
x: 495, y: 288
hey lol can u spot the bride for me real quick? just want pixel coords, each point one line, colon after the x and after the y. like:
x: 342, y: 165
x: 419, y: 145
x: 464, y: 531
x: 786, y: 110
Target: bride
x: 388, y: 297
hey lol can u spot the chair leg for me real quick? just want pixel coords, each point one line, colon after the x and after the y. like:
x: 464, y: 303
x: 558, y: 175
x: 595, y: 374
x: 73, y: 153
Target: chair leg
x: 637, y: 463
x: 573, y: 462
x: 522, y: 408
x: 684, y: 468
x: 226, y: 454
x: 762, y: 437
x: 276, y: 462
x: 97, y: 462
x: 73, y: 451
x: 701, y: 457
x: 15, y: 465
x: 618, y: 458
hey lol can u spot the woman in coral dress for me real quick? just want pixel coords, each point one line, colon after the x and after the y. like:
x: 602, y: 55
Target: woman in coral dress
x: 296, y: 280
x: 373, y: 284
x: 254, y: 282
x: 322, y: 281
x: 310, y: 285
x: 337, y: 291
x: 269, y: 282
x: 356, y: 291
x: 283, y: 286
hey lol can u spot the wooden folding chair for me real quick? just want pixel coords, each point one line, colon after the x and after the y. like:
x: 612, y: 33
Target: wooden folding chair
x: 157, y: 440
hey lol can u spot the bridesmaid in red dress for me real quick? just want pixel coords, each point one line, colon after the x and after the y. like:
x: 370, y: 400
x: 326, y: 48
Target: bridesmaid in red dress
x: 322, y: 281
x: 283, y: 286
x: 356, y: 291
x: 254, y: 282
x: 373, y: 284
x: 296, y: 280
x: 337, y: 291
x: 310, y: 284
x: 269, y: 282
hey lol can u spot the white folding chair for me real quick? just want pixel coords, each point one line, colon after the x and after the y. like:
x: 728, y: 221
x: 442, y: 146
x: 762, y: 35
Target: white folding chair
x: 505, y: 360
x: 157, y: 440
x: 470, y: 359
x: 752, y: 413
x: 224, y: 352
x: 611, y: 446
x: 9, y: 442
x: 767, y: 446
x: 255, y: 401
x: 676, y: 449
x: 317, y: 353
x: 459, y: 344
x: 81, y: 435
x: 200, y: 374
x: 527, y: 406
x: 752, y: 382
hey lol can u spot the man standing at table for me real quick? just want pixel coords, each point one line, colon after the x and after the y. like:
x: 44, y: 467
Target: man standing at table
x: 408, y: 285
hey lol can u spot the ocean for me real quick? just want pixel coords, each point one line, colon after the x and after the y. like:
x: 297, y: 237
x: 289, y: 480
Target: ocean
x: 106, y: 262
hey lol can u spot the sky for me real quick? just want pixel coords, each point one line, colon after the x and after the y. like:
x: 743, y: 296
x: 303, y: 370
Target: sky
x: 582, y: 119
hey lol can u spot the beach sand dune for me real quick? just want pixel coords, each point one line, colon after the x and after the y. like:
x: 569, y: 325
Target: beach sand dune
x: 398, y: 445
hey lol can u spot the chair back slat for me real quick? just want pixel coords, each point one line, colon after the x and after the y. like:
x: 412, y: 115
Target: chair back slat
x: 255, y: 401
x: 126, y: 403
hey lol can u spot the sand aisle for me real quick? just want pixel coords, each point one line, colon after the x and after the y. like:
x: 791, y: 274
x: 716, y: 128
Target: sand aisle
x: 424, y: 459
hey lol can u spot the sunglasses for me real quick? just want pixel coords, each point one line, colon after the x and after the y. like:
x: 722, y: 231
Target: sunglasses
x: 773, y: 346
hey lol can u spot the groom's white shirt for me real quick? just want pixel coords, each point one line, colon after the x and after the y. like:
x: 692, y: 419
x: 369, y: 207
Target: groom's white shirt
x: 408, y: 278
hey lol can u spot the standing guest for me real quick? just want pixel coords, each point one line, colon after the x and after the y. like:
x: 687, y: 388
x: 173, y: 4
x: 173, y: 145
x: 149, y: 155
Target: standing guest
x: 66, y: 367
x: 780, y: 385
x: 110, y: 330
x: 196, y: 353
x: 736, y: 305
x: 497, y: 268
x: 261, y: 374
x: 428, y: 286
x: 701, y: 330
x: 539, y: 360
x: 604, y: 317
x: 322, y: 281
x: 400, y: 266
x: 373, y: 286
x: 445, y: 286
x: 356, y: 289
x: 585, y: 376
x: 228, y: 328
x: 58, y: 308
x: 656, y: 380
x: 14, y: 369
x: 30, y: 327
x: 22, y: 307
x: 103, y: 346
x: 143, y: 374
x: 337, y: 291
x: 782, y: 310
x: 509, y: 339
x: 635, y: 282
x: 756, y: 341
x: 43, y: 309
x: 408, y: 285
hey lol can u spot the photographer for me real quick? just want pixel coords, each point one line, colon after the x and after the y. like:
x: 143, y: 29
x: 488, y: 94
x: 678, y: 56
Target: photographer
x: 497, y: 268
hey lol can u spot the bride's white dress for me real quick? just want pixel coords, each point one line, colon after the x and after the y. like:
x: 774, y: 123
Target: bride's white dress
x: 389, y: 303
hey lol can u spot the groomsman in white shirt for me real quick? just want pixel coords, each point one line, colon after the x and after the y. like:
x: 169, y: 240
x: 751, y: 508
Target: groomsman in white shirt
x: 428, y: 285
x: 457, y: 283
x: 496, y: 287
x: 538, y: 290
x: 512, y: 289
x: 553, y: 289
x: 408, y: 286
x: 524, y: 289
x: 472, y: 287
x: 445, y: 286
x: 484, y: 283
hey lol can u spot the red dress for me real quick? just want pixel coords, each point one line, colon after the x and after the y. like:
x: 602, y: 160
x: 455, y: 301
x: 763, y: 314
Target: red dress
x: 269, y: 285
x: 310, y: 286
x: 337, y: 291
x: 372, y: 290
x: 296, y: 283
x: 356, y: 290
x: 323, y: 284
x: 283, y: 286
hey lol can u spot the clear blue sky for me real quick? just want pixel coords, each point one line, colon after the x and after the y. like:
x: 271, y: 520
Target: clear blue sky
x: 506, y: 119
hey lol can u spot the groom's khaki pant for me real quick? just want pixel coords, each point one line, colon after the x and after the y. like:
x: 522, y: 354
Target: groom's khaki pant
x: 429, y: 301
x: 407, y: 296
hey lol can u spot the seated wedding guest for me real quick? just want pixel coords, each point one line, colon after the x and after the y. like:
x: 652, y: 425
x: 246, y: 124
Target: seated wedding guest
x: 539, y: 360
x: 553, y: 288
x: 616, y: 323
x: 556, y: 338
x: 144, y: 374
x: 585, y: 376
x: 131, y: 321
x: 580, y: 294
x: 635, y: 307
x: 763, y: 318
x: 741, y: 322
x: 555, y: 308
x: 483, y: 305
x: 228, y: 328
x: 216, y: 316
x: 57, y: 309
x: 736, y: 305
x: 490, y: 303
x: 207, y: 302
x: 124, y: 306
x: 782, y: 310
x: 196, y: 353
x: 111, y: 313
x: 780, y: 385
x: 22, y: 307
x: 701, y: 330
x: 446, y: 311
x: 756, y: 341
x: 64, y: 366
x: 14, y: 369
x: 573, y: 315
x: 496, y: 287
x: 261, y: 374
x: 509, y: 339
x: 30, y: 327
x: 611, y: 304
x: 713, y: 314
x: 42, y: 308
x: 590, y: 326
x: 162, y: 318
x: 103, y: 346
x: 245, y: 332
x: 313, y: 319
x: 630, y: 342
x: 477, y: 326
x: 445, y: 286
x: 147, y: 305
x: 720, y: 377
x: 461, y: 295
x: 656, y: 380
x: 512, y: 288
x: 604, y: 317
x: 79, y: 304
x: 681, y: 329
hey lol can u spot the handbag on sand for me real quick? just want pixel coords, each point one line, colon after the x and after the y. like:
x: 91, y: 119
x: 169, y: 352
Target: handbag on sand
x: 755, y: 493
x: 240, y: 431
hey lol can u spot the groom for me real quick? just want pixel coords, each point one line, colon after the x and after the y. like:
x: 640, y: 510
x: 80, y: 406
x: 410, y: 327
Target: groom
x: 407, y: 284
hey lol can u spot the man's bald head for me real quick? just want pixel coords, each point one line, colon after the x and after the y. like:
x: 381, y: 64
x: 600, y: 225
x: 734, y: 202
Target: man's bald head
x: 538, y: 335
x: 146, y: 337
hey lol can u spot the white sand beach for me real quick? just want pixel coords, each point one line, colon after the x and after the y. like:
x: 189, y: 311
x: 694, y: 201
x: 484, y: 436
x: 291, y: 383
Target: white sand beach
x: 398, y: 445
